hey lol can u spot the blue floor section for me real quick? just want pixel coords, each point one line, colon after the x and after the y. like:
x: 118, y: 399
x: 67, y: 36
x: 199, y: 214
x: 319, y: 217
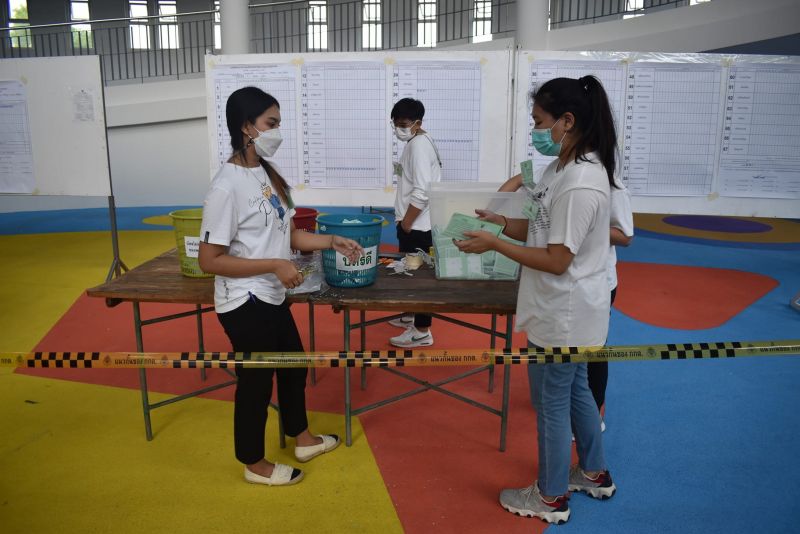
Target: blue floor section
x: 98, y: 219
x: 703, y: 446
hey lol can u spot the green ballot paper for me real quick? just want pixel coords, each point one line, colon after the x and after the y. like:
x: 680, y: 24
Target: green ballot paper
x: 460, y: 223
x: 527, y: 173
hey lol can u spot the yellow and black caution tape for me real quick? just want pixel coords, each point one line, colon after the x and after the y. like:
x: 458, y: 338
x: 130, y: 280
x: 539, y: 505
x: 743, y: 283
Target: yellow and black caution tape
x: 401, y: 358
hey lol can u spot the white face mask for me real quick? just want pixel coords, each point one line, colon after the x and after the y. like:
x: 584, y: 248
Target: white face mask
x: 267, y: 142
x: 404, y: 134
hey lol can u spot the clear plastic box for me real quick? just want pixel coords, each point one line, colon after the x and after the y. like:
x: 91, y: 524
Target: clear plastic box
x: 448, y: 199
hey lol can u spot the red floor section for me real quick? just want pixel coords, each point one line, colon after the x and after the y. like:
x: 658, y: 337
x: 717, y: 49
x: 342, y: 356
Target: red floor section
x: 687, y: 298
x: 439, y: 457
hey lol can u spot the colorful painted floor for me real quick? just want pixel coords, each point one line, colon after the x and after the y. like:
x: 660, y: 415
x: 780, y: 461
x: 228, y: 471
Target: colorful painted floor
x: 694, y: 446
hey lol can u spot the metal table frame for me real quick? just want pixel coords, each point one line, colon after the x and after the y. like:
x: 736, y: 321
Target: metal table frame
x: 349, y: 411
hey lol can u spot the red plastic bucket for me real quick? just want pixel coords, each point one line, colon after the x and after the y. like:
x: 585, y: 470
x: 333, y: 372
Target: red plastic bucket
x: 305, y: 219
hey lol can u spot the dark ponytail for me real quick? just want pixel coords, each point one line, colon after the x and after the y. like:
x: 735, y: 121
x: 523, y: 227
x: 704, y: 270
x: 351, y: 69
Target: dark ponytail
x: 246, y: 105
x: 586, y: 99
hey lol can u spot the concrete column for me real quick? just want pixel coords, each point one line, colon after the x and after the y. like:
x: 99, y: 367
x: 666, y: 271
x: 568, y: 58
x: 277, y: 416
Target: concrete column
x: 532, y: 24
x: 235, y: 26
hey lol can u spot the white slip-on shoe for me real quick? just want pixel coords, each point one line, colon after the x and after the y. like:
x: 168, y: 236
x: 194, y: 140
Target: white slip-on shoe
x: 282, y: 475
x: 412, y: 338
x: 329, y: 442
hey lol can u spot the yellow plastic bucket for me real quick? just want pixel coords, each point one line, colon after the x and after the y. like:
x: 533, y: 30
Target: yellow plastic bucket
x: 187, y: 238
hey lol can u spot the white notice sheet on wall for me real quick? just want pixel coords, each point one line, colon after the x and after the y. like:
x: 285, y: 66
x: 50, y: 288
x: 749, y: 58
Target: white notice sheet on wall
x: 280, y: 81
x: 451, y: 94
x: 761, y: 135
x: 610, y: 73
x: 16, y: 156
x: 672, y: 128
x: 345, y: 125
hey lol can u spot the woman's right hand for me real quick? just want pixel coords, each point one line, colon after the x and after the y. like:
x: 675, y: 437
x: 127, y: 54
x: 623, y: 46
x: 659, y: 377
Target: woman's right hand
x: 287, y: 273
x: 492, y: 217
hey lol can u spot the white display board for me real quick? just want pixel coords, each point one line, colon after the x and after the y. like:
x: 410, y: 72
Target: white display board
x: 52, y: 127
x: 698, y: 133
x: 338, y: 146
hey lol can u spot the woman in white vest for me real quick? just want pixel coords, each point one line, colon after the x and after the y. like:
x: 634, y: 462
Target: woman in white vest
x: 246, y: 240
x: 563, y: 295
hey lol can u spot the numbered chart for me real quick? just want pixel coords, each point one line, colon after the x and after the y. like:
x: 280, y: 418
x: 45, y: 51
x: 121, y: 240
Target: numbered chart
x: 451, y: 94
x: 345, y: 127
x: 611, y: 74
x: 277, y: 80
x: 761, y: 135
x: 671, y: 130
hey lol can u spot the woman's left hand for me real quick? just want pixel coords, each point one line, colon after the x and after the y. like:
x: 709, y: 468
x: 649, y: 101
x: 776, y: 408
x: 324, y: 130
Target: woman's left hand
x: 347, y: 247
x: 478, y: 242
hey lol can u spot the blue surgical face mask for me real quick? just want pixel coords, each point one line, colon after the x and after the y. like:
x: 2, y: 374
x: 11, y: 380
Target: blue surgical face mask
x: 542, y: 140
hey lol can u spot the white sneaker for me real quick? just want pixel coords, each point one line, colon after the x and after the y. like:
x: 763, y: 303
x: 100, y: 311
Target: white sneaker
x: 602, y: 425
x: 403, y: 322
x: 412, y: 338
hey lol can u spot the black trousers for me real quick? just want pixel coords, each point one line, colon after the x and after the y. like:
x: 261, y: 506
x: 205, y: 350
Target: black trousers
x: 257, y: 326
x: 598, y: 373
x: 410, y: 242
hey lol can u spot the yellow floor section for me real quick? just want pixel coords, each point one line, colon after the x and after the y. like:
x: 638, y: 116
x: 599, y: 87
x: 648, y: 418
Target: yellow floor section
x: 43, y: 274
x: 73, y: 457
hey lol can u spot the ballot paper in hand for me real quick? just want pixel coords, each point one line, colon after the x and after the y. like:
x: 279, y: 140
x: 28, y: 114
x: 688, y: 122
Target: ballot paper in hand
x: 460, y: 223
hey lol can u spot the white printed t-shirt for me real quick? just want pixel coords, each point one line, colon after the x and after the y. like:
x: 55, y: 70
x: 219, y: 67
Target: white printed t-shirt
x: 570, y: 309
x: 622, y: 218
x: 421, y: 166
x: 243, y: 214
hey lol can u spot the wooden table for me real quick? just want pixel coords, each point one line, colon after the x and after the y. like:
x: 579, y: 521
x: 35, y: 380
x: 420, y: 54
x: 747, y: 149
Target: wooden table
x: 160, y: 280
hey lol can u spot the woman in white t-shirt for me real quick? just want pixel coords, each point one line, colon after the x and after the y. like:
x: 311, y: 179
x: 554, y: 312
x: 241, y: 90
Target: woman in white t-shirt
x: 563, y: 295
x: 245, y: 240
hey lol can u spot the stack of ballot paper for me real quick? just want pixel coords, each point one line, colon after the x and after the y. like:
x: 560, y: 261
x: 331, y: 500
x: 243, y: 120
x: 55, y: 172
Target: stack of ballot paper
x: 451, y: 263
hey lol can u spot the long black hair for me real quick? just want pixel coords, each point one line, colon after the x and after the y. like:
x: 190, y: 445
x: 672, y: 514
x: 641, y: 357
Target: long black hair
x: 246, y: 105
x: 586, y: 99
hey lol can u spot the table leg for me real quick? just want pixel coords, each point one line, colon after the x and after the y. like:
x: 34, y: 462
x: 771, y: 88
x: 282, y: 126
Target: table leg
x: 363, y: 318
x: 311, y: 340
x: 200, y: 344
x: 492, y: 345
x: 137, y: 325
x: 506, y: 385
x: 348, y: 432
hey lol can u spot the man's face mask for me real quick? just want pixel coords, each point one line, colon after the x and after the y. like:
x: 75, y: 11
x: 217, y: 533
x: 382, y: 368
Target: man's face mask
x: 404, y: 133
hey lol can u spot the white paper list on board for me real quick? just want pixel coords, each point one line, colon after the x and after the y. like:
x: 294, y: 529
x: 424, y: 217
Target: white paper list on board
x: 671, y: 128
x: 610, y: 73
x: 345, y: 125
x: 451, y: 94
x: 280, y: 81
x: 761, y: 135
x: 16, y: 155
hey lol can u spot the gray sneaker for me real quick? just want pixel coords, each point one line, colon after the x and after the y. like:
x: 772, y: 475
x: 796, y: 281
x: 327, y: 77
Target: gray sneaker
x: 528, y: 502
x: 601, y: 487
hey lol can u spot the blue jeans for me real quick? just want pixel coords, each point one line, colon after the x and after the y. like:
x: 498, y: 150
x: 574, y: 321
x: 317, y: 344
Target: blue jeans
x: 560, y: 393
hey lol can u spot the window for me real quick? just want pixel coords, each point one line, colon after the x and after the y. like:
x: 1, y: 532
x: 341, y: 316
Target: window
x: 140, y: 32
x: 482, y: 21
x: 18, y: 10
x: 426, y: 23
x: 81, y: 33
x: 317, y: 25
x: 633, y: 5
x: 167, y: 33
x: 371, y: 36
x: 217, y: 27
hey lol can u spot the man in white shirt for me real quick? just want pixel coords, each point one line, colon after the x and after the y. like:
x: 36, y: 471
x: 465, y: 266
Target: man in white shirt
x: 419, y: 165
